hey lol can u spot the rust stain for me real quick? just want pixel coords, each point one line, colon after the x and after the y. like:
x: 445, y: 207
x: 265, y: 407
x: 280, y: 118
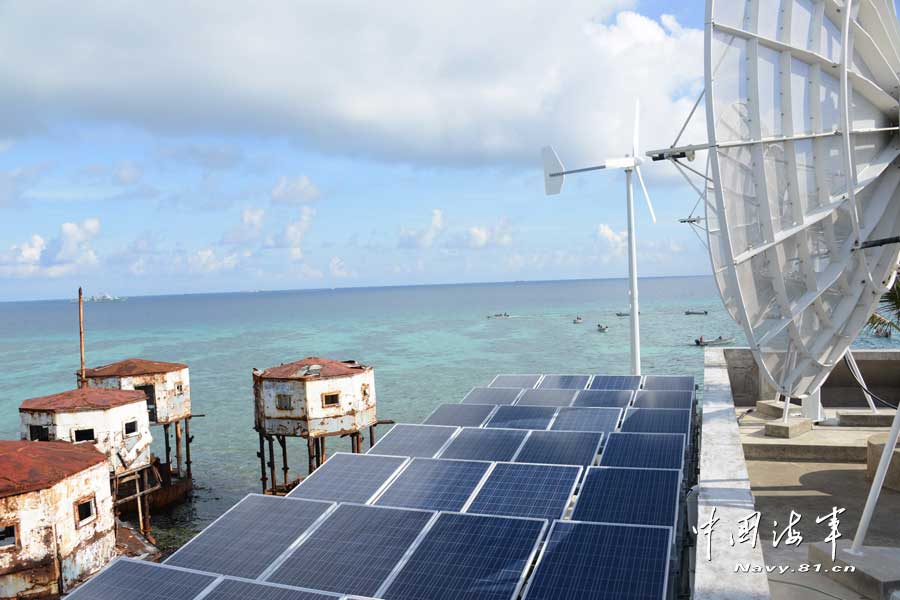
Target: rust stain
x: 329, y: 368
x: 30, y: 466
x: 82, y: 399
x: 131, y: 367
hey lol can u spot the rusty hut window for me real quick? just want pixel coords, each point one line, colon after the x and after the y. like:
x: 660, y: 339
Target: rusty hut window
x: 84, y: 511
x: 131, y: 427
x: 39, y: 433
x: 331, y: 399
x: 85, y: 435
x: 178, y: 388
x: 284, y: 402
x: 8, y: 536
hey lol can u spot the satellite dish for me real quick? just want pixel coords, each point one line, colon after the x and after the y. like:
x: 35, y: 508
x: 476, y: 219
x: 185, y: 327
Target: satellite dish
x: 802, y: 118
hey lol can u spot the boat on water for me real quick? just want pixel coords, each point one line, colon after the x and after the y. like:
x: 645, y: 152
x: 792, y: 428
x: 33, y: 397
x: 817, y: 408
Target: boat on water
x: 499, y: 316
x: 697, y: 312
x: 577, y: 321
x: 624, y: 314
x: 602, y: 328
x: 719, y: 341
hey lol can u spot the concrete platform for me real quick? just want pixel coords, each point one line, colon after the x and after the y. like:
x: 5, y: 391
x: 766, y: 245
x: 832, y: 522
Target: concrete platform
x: 793, y: 428
x: 876, y: 572
x: 875, y: 449
x: 865, y: 418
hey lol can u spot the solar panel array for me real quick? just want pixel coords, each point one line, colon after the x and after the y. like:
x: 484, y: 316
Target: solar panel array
x: 140, y: 580
x: 664, y: 399
x: 492, y: 395
x: 630, y: 496
x: 526, y: 490
x: 485, y: 444
x: 348, y: 477
x: 523, y: 417
x: 460, y: 415
x: 413, y: 440
x: 434, y: 484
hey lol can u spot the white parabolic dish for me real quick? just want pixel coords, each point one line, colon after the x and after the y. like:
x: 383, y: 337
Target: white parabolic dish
x: 804, y: 155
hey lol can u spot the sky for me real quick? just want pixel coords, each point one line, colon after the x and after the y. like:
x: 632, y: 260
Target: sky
x: 179, y: 147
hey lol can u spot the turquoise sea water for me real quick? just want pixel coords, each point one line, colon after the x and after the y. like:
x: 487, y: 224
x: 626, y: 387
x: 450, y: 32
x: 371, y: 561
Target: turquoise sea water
x: 428, y: 345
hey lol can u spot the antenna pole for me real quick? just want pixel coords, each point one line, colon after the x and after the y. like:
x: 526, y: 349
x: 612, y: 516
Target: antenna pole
x: 83, y: 381
x: 632, y: 277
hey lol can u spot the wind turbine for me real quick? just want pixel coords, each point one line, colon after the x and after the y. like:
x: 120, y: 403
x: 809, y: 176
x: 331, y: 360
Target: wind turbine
x: 554, y: 176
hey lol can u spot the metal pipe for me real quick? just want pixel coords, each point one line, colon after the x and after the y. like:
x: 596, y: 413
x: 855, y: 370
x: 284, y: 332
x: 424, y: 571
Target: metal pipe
x: 318, y: 453
x: 178, y: 448
x: 83, y: 382
x: 187, y: 446
x: 310, y: 448
x: 371, y: 436
x: 322, y: 441
x: 272, y: 462
x: 282, y: 441
x: 262, y: 460
x: 168, y: 449
x: 632, y: 276
x: 877, y: 483
x: 854, y: 370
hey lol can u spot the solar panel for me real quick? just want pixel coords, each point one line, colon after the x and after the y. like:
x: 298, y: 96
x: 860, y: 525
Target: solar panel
x: 485, y: 444
x: 460, y: 415
x: 615, y: 382
x: 644, y: 450
x: 348, y: 477
x: 560, y: 448
x: 587, y: 419
x: 546, y: 398
x: 521, y: 490
x: 668, y: 382
x: 515, y: 381
x: 492, y: 395
x: 468, y: 556
x: 140, y: 580
x: 330, y: 557
x: 433, y: 484
x: 664, y: 399
x: 594, y: 561
x: 413, y: 440
x: 564, y: 382
x: 252, y: 534
x: 522, y: 417
x: 603, y: 398
x: 657, y: 420
x: 630, y: 496
x: 241, y: 589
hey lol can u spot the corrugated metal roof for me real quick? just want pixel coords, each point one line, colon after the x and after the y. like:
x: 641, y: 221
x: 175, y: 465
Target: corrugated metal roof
x: 307, y: 369
x: 134, y: 366
x: 30, y: 466
x: 82, y: 399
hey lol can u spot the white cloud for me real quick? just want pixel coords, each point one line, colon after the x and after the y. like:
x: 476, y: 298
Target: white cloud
x: 68, y: 253
x: 616, y: 244
x: 207, y: 260
x: 423, y: 238
x: 293, y: 234
x: 421, y: 82
x: 128, y: 173
x: 489, y: 236
x: 295, y: 190
x: 339, y: 269
x: 249, y: 229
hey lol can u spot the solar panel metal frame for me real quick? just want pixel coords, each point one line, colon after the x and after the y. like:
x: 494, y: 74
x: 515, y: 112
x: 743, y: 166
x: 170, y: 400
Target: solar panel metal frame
x: 490, y: 414
x: 688, y: 413
x: 472, y: 493
x: 548, y: 377
x: 496, y: 413
x: 667, y: 562
x: 480, y: 488
x: 513, y: 401
x: 538, y: 391
x: 293, y: 588
x: 603, y: 380
x: 533, y: 386
x: 602, y: 437
x: 618, y: 434
x: 589, y: 409
x: 682, y: 380
x: 583, y: 393
x: 315, y: 523
x: 378, y: 490
x: 77, y: 593
x: 654, y: 399
x: 416, y: 544
x: 373, y: 450
x: 444, y: 450
x: 277, y: 564
x: 676, y: 515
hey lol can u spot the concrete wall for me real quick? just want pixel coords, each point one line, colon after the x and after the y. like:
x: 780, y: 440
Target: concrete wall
x: 51, y: 545
x: 171, y: 404
x: 123, y: 452
x: 880, y: 369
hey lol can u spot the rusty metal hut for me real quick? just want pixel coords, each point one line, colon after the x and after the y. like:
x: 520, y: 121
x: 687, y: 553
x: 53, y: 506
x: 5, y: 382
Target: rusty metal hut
x: 56, y: 517
x: 313, y: 398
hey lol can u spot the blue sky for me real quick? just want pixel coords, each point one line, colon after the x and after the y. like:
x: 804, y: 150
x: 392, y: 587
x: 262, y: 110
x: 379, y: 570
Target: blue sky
x: 308, y: 146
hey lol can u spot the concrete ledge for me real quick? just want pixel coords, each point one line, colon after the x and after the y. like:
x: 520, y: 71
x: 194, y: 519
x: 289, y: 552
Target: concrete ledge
x: 856, y: 418
x: 877, y: 570
x: 797, y: 452
x: 874, y: 451
x: 770, y: 408
x: 791, y: 429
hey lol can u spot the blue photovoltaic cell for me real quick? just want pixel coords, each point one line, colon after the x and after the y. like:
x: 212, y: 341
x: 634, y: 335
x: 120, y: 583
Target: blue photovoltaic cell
x: 546, y: 398
x: 520, y: 490
x: 514, y: 381
x: 492, y: 395
x: 468, y: 556
x: 522, y: 417
x: 629, y: 496
x: 485, y: 444
x: 460, y: 415
x: 434, y: 484
x: 244, y: 541
x: 657, y: 420
x: 593, y: 561
x: 238, y: 589
x: 664, y: 399
x: 348, y: 477
x: 603, y: 398
x: 560, y: 448
x: 354, y: 550
x: 615, y: 382
x: 665, y: 382
x: 587, y: 419
x: 139, y: 580
x: 644, y: 450
x: 413, y: 440
x: 564, y: 382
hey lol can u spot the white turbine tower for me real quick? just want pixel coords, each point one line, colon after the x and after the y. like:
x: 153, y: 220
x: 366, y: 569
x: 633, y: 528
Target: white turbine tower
x: 554, y: 175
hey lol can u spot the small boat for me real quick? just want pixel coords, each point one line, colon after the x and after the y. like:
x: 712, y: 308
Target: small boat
x: 577, y: 321
x: 499, y: 316
x: 719, y: 341
x: 702, y: 313
x: 602, y: 328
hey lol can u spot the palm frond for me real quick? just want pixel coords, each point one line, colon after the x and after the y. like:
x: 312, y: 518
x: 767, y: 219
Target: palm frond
x: 886, y: 318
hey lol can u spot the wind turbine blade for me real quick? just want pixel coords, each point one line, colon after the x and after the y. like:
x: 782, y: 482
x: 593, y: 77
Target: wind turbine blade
x: 552, y: 165
x: 636, y: 142
x: 646, y: 194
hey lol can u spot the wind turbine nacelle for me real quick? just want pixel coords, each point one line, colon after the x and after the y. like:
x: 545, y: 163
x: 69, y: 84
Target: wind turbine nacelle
x: 553, y: 169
